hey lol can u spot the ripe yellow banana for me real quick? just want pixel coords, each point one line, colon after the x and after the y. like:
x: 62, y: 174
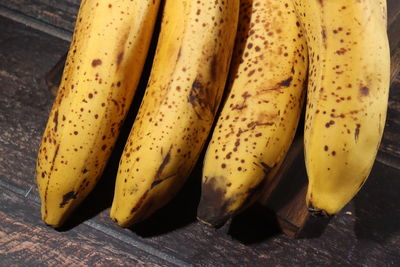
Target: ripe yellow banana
x: 347, y: 96
x: 261, y: 112
x: 103, y: 67
x: 183, y: 94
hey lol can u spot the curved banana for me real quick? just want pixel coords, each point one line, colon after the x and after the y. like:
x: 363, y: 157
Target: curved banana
x: 183, y: 94
x: 103, y: 67
x: 261, y: 112
x: 347, y: 96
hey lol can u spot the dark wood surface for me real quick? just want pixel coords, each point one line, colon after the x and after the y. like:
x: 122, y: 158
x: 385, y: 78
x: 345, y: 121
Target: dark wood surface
x: 365, y: 233
x: 58, y: 13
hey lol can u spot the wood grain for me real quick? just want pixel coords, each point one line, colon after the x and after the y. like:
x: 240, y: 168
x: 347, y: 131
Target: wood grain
x: 393, y: 8
x: 27, y: 241
x: 391, y: 136
x: 389, y: 149
x: 61, y: 14
x: 394, y: 43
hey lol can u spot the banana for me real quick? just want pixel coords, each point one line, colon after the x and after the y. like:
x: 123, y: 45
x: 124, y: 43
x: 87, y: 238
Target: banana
x: 347, y: 96
x: 261, y: 112
x: 104, y: 63
x: 183, y: 94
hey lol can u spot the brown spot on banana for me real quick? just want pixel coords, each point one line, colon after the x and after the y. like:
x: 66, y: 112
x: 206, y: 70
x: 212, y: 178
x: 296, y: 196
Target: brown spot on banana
x: 341, y: 51
x: 119, y: 58
x: 364, y: 91
x: 213, y: 206
x: 55, y: 120
x: 121, y: 46
x: 286, y: 82
x: 115, y: 103
x: 67, y: 197
x: 243, y: 105
x: 157, y: 182
x: 54, y: 158
x: 96, y: 62
x: 197, y: 86
x: 198, y: 98
x: 158, y: 177
x: 254, y: 124
x: 179, y: 54
x: 357, y: 132
x: 278, y: 86
x: 323, y: 33
x: 266, y: 167
x: 213, y: 67
x: 140, y: 202
x: 239, y: 107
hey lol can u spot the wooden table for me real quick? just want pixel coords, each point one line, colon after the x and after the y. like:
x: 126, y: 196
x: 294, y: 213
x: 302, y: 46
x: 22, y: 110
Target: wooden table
x: 365, y: 233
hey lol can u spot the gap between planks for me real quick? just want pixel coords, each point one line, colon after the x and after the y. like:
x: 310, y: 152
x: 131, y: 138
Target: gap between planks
x: 395, y: 16
x: 105, y: 230
x: 35, y: 23
x: 388, y: 160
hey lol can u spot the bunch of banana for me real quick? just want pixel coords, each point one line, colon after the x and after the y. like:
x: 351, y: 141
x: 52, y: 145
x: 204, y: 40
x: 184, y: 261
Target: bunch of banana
x: 103, y: 67
x: 185, y: 87
x: 344, y: 42
x: 261, y: 112
x: 347, y: 96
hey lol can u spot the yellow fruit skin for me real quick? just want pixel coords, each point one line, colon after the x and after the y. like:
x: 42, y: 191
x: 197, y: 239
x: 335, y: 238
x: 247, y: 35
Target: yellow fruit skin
x: 347, y: 96
x: 103, y: 67
x: 183, y: 94
x: 261, y: 112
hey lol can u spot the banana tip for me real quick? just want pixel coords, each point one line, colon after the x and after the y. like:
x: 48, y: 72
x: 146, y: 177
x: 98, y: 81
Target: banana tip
x: 53, y: 225
x: 121, y: 223
x: 216, y: 223
x: 54, y: 222
x: 211, y: 219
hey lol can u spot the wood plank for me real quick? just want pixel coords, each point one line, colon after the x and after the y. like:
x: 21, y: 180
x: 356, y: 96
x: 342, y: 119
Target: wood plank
x: 252, y: 239
x: 26, y: 241
x: 391, y: 137
x: 24, y: 98
x: 393, y: 8
x: 61, y: 14
x: 389, y: 149
x: 394, y: 43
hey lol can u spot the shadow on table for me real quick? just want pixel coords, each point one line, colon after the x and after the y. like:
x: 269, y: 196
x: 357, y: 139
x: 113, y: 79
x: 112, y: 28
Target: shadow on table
x: 179, y: 212
x: 254, y: 225
x: 377, y: 205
